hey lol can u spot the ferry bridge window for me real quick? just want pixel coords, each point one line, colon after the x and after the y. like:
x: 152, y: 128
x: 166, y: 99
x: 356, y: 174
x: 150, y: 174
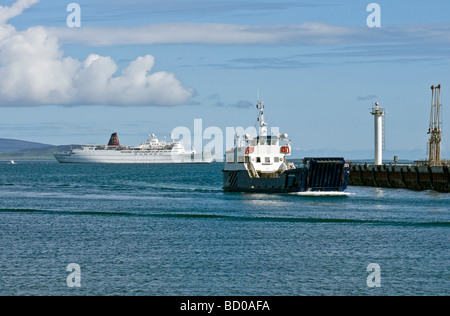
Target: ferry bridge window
x: 258, y: 159
x: 267, y: 159
x: 276, y: 159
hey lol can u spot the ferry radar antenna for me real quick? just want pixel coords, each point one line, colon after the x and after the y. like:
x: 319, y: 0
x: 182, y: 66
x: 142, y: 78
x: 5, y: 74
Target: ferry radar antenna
x: 262, y: 122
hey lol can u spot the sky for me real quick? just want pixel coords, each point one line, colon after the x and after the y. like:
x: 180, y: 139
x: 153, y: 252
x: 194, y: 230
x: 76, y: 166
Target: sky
x: 141, y: 67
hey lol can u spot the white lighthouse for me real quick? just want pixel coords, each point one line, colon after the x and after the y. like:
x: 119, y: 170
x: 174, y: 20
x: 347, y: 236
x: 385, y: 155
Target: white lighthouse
x: 378, y: 114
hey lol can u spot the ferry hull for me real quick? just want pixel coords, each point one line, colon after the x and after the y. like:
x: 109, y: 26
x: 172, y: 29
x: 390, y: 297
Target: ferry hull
x: 319, y: 175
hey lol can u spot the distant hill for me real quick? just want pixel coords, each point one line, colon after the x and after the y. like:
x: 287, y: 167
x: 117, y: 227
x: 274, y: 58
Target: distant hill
x: 14, y: 144
x: 35, y: 154
x: 11, y: 149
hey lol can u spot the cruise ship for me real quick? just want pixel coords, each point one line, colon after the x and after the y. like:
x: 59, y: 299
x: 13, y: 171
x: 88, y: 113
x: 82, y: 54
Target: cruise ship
x: 259, y: 164
x: 152, y: 151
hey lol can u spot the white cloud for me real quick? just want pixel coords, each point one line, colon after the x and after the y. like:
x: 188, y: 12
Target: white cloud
x: 208, y: 33
x: 34, y: 71
x: 134, y: 86
x: 16, y: 9
x: 308, y: 33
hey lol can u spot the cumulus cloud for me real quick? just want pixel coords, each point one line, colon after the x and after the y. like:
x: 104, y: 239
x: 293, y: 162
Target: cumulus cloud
x: 239, y: 104
x: 34, y: 71
x: 16, y: 9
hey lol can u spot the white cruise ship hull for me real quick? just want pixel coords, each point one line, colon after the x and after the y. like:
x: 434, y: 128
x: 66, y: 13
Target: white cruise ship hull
x: 121, y: 157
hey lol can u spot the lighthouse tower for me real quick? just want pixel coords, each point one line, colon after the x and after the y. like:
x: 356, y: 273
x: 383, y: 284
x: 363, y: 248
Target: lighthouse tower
x: 378, y: 114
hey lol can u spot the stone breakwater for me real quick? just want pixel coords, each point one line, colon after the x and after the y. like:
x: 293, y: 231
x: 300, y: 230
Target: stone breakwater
x: 411, y: 177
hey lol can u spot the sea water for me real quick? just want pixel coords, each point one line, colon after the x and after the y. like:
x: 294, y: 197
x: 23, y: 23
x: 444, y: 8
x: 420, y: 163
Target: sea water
x: 171, y: 230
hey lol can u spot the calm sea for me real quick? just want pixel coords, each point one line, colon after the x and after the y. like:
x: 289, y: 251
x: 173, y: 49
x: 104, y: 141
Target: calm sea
x: 170, y: 230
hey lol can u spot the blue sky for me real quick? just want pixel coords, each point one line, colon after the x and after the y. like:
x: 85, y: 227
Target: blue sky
x: 317, y: 63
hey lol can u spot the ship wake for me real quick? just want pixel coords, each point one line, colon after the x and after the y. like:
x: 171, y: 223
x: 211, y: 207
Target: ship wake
x: 323, y: 193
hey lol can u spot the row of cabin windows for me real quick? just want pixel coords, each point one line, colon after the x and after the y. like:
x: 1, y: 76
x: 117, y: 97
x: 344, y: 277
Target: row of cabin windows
x: 269, y: 142
x: 266, y: 159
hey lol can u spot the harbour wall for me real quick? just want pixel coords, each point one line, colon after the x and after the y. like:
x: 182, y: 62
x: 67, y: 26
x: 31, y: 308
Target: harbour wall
x: 411, y: 177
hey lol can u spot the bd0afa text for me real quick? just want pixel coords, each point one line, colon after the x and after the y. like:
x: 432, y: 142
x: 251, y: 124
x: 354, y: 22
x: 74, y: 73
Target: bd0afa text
x: 247, y: 306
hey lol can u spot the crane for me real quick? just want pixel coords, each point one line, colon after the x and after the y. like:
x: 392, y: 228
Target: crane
x: 435, y: 132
